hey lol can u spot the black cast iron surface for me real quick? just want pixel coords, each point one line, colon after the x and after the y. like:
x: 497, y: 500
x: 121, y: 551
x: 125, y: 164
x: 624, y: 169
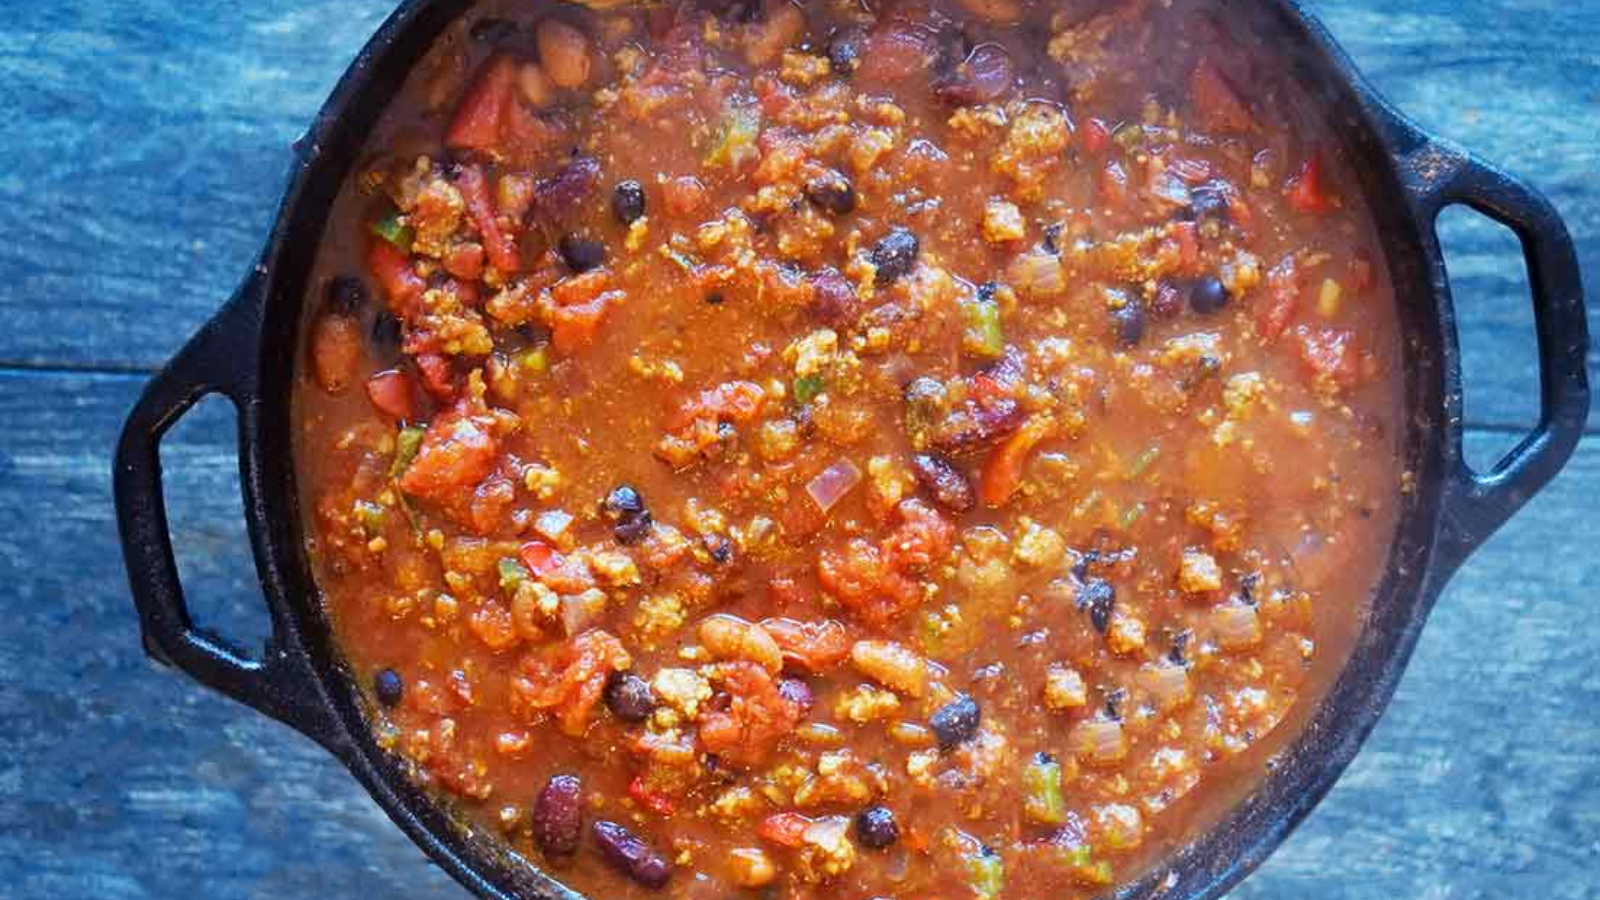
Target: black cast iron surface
x: 1471, y: 518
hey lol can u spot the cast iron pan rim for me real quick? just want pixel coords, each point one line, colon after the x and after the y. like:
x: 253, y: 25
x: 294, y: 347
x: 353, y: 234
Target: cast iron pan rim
x: 1452, y: 513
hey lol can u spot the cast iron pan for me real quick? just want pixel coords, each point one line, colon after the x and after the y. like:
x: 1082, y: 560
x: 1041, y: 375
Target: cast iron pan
x: 246, y: 353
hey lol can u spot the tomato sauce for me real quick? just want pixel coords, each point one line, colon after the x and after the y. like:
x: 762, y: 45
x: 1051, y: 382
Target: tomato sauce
x: 930, y: 451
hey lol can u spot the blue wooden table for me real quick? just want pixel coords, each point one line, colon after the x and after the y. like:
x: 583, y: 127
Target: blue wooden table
x: 144, y: 150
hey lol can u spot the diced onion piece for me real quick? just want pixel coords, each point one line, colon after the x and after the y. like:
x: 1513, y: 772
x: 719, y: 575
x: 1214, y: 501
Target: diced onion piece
x: 579, y: 611
x: 1167, y: 684
x: 1038, y: 274
x: 1099, y: 742
x: 552, y: 524
x: 1237, y: 626
x: 832, y: 483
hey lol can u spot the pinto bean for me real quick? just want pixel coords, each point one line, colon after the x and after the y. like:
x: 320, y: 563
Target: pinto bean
x: 730, y: 637
x: 893, y: 665
x: 564, y: 51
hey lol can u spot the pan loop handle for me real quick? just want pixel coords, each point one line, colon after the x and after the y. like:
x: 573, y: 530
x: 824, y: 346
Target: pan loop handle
x: 220, y: 359
x: 1476, y: 504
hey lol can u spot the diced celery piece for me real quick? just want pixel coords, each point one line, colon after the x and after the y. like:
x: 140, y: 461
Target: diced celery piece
x: 988, y: 873
x: 534, y: 360
x: 512, y: 574
x: 983, y: 335
x: 371, y: 516
x: 389, y: 227
x: 406, y: 445
x: 806, y: 388
x: 736, y: 138
x: 1041, y: 785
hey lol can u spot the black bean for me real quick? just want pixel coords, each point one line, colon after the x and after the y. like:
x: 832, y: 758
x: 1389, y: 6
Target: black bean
x: 1207, y: 201
x: 1128, y: 322
x: 797, y: 692
x: 1114, y: 700
x: 630, y: 519
x: 956, y: 722
x: 1207, y: 294
x: 632, y: 529
x: 1097, y: 597
x: 492, y: 30
x: 582, y: 254
x: 558, y: 816
x: 720, y: 548
x: 627, y: 201
x: 622, y: 501
x: 894, y: 255
x: 948, y: 485
x: 346, y: 295
x: 876, y: 827
x: 845, y: 49
x: 1052, y: 237
x: 1180, y: 648
x: 715, y: 298
x: 631, y: 856
x: 832, y: 191
x: 629, y: 697
x: 389, y: 687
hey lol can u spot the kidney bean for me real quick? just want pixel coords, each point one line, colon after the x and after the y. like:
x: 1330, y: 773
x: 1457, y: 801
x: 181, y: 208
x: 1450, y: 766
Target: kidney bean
x: 558, y: 816
x: 631, y: 856
x: 944, y: 481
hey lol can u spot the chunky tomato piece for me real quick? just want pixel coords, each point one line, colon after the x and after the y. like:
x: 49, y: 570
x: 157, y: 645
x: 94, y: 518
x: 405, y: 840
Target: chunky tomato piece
x: 457, y: 452
x: 570, y: 678
x: 1283, y: 299
x: 755, y: 716
x: 881, y: 582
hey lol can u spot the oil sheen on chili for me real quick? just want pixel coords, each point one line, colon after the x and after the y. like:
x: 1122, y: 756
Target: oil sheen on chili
x: 787, y: 451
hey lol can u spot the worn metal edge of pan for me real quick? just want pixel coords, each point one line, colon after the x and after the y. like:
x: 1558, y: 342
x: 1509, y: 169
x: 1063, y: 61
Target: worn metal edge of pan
x: 1203, y: 869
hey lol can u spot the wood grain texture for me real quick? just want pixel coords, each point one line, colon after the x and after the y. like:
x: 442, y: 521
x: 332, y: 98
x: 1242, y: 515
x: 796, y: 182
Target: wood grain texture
x: 146, y: 147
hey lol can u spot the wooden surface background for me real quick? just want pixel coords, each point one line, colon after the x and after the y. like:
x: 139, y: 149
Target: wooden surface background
x: 143, y: 155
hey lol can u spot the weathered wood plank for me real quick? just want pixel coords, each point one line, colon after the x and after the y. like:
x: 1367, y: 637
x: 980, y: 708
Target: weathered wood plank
x: 148, y: 145
x: 120, y: 780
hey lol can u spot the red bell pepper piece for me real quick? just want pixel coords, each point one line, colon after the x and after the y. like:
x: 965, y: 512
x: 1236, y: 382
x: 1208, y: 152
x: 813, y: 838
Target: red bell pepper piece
x: 1002, y: 473
x: 655, y: 801
x: 540, y: 558
x: 1307, y: 193
x: 786, y: 829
